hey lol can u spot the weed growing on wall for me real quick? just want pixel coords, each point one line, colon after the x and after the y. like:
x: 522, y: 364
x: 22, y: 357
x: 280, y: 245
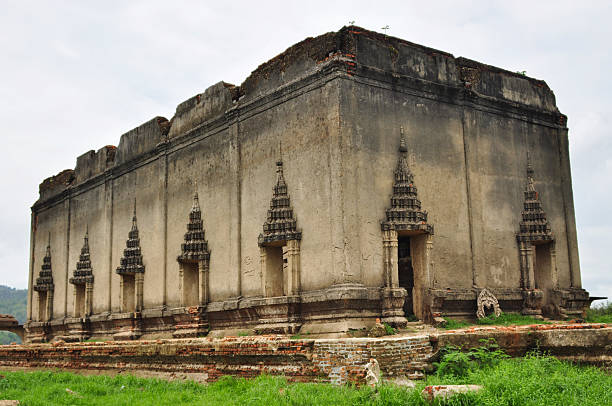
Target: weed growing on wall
x: 456, y: 362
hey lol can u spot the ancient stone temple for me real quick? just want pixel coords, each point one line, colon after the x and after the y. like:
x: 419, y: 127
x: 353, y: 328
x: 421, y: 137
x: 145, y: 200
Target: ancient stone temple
x: 353, y: 177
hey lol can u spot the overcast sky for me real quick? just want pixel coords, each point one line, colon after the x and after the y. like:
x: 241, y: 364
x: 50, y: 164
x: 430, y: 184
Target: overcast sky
x: 78, y: 74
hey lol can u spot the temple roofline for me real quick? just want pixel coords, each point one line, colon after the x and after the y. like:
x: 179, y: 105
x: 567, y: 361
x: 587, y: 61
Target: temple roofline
x: 348, y: 50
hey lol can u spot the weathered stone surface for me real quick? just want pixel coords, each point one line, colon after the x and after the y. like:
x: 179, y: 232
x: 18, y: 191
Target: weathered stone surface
x: 342, y: 360
x: 585, y: 343
x: 441, y: 392
x: 486, y: 300
x: 337, y: 102
x: 372, y: 373
x: 336, y: 361
x: 10, y: 323
x: 401, y: 381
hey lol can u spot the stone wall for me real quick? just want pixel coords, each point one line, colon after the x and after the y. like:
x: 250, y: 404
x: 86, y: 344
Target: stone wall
x: 336, y: 104
x: 330, y: 360
x: 308, y: 360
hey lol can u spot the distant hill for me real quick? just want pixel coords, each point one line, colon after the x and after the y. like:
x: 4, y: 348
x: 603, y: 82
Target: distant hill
x: 14, y: 302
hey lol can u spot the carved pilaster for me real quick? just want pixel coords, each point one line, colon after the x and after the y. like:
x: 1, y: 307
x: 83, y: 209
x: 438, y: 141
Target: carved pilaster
x: 75, y: 310
x: 263, y: 263
x: 390, y: 258
x: 525, y: 253
x: 429, y: 264
x: 88, y: 298
x: 292, y: 277
x: 181, y: 282
x: 49, y: 305
x: 139, y: 282
x: 203, y: 289
x: 553, y: 265
x: 122, y: 295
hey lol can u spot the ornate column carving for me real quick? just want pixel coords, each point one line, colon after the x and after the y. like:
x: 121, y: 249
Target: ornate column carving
x: 264, y: 275
x: 194, y: 263
x: 533, y: 229
x: 44, y: 284
x: 293, y: 268
x: 405, y: 217
x: 49, y: 304
x: 279, y: 244
x: 280, y: 229
x: 139, y: 282
x: 88, y: 298
x: 553, y: 265
x: 390, y: 258
x: 195, y: 251
x: 132, y: 264
x: 122, y: 296
x: 203, y: 288
x: 83, y: 279
x: 429, y: 264
x: 181, y: 278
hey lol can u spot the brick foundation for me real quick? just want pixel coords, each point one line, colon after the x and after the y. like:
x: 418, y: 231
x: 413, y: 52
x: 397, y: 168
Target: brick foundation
x: 325, y: 360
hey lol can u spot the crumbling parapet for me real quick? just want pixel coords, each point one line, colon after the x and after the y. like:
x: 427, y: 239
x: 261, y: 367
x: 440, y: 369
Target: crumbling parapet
x: 353, y: 48
x: 10, y: 323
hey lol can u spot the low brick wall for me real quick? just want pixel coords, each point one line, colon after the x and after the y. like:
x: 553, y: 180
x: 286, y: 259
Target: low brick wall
x: 326, y: 360
x: 337, y: 361
x: 586, y: 343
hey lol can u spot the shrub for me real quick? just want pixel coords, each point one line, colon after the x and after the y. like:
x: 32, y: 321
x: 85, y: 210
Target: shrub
x: 389, y: 330
x: 600, y: 314
x: 460, y: 363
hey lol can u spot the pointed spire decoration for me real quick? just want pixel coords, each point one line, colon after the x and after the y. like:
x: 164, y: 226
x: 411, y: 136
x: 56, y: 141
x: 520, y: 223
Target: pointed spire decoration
x: 134, y: 226
x: 131, y: 262
x: 534, y: 225
x: 195, y: 247
x: 83, y: 272
x: 280, y: 224
x: 405, y: 212
x: 196, y: 199
x: 44, y: 281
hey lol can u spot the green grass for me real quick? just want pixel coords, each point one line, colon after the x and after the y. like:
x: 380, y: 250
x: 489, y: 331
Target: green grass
x: 510, y: 319
x: 533, y: 380
x: 49, y: 388
x: 452, y: 324
x: 600, y: 314
x: 504, y: 319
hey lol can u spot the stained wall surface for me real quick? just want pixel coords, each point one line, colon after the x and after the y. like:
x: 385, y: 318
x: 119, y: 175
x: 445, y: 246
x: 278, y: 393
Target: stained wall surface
x: 334, y: 106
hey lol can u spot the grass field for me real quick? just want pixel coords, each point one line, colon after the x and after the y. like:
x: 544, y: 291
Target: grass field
x: 504, y: 319
x: 600, y: 314
x: 533, y: 380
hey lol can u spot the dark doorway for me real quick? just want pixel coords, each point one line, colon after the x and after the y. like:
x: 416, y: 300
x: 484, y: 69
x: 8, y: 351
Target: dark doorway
x: 405, y: 271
